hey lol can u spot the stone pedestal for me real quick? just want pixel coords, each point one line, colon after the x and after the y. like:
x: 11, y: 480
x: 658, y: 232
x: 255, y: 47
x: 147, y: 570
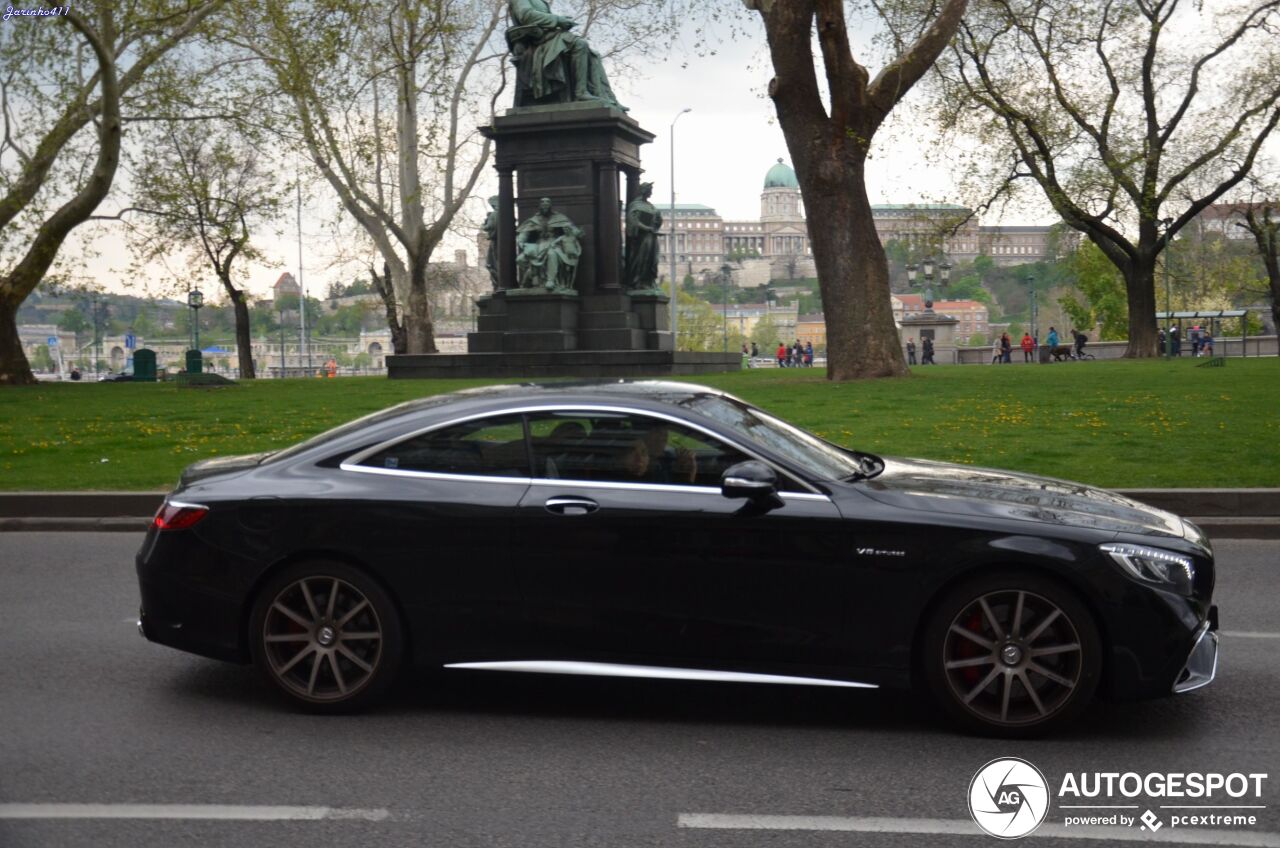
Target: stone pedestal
x: 940, y: 328
x: 577, y: 155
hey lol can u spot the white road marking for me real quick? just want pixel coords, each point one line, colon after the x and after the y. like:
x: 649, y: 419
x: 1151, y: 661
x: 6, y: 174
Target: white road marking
x: 223, y: 812
x: 1248, y: 634
x: 963, y: 827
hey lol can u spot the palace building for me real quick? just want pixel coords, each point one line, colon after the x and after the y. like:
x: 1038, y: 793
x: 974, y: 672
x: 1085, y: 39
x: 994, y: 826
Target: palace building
x: 776, y: 246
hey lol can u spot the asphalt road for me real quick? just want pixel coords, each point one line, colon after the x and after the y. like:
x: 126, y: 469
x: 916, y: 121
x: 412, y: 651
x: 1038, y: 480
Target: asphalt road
x: 94, y: 715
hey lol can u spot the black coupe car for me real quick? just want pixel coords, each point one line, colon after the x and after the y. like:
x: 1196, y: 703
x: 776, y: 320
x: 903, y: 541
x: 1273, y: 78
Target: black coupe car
x: 667, y: 530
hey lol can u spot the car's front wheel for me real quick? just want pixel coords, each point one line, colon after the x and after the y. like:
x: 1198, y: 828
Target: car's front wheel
x: 327, y: 636
x: 1011, y: 654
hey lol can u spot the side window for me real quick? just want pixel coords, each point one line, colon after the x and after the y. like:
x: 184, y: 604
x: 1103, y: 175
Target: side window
x: 488, y: 447
x: 619, y: 448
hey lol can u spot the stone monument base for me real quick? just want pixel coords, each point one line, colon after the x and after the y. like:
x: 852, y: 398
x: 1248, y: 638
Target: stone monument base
x: 571, y: 363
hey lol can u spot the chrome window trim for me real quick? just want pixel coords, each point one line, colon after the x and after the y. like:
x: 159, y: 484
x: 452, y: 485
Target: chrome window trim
x: 544, y: 483
x: 352, y: 463
x: 434, y: 475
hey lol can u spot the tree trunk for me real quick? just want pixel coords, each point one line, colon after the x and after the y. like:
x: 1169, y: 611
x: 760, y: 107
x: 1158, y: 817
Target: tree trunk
x: 244, y: 344
x: 853, y: 273
x: 386, y: 290
x: 1139, y: 283
x: 418, y: 326
x: 14, y: 368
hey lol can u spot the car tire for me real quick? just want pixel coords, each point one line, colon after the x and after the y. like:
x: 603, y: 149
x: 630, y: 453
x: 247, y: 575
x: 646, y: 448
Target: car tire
x: 1011, y: 654
x: 327, y: 636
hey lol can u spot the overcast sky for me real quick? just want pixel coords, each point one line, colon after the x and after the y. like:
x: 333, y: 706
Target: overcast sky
x: 723, y: 149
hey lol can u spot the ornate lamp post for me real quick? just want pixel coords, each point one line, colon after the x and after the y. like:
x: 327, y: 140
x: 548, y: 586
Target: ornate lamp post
x: 195, y: 299
x: 928, y: 266
x: 671, y: 236
x: 1168, y: 301
x: 726, y: 277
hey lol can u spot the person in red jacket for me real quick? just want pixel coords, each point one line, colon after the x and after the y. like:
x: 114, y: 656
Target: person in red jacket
x: 782, y: 355
x: 1028, y: 345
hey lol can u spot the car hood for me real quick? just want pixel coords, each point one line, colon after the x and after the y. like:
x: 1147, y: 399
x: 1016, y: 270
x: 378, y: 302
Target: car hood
x: 966, y: 490
x: 220, y: 465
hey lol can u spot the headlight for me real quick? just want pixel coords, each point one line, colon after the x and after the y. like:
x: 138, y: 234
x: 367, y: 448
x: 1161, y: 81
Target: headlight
x: 1152, y: 565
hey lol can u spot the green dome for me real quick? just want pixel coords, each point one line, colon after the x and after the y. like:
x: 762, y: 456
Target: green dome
x: 781, y: 176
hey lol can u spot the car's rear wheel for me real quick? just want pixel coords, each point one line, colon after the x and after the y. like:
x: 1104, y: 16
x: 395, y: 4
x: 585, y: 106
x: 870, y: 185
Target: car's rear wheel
x: 327, y: 636
x: 1012, y: 654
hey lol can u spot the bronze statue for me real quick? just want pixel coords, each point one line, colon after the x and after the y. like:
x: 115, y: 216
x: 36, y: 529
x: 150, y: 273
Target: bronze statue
x: 643, y: 222
x: 548, y: 247
x: 553, y: 65
x: 490, y: 230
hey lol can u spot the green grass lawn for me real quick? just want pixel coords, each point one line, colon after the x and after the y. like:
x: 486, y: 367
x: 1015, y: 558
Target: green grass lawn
x: 1114, y: 424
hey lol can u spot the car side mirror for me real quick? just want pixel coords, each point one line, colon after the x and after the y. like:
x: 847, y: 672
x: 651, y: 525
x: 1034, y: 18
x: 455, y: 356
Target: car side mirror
x: 751, y: 479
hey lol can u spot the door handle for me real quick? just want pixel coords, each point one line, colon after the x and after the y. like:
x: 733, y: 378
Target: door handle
x: 571, y: 506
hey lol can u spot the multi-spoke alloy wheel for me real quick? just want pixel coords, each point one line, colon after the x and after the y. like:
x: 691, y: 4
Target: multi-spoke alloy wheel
x: 1013, y: 654
x: 326, y: 635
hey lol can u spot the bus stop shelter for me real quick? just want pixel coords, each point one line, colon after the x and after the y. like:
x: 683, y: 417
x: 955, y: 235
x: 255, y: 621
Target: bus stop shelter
x: 1214, y: 317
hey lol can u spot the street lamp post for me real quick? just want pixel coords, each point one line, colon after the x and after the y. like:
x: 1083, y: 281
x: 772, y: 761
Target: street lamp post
x: 1168, y: 300
x: 97, y: 336
x: 283, y: 373
x: 195, y: 299
x: 928, y: 266
x: 671, y: 238
x: 726, y: 276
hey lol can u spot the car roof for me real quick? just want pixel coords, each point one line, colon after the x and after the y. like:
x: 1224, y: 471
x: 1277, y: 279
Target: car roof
x: 484, y: 399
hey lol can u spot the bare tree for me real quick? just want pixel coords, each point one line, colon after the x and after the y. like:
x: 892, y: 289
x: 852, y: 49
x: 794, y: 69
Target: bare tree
x: 62, y: 108
x: 829, y: 141
x: 1262, y: 220
x: 204, y: 193
x: 1116, y: 110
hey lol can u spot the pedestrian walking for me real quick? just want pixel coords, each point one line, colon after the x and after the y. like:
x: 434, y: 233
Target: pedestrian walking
x: 1006, y: 349
x: 1028, y: 345
x: 1194, y: 335
x: 1177, y: 340
x: 808, y: 354
x: 781, y: 353
x: 1206, y: 343
x: 911, y: 351
x: 995, y: 350
x: 927, y: 350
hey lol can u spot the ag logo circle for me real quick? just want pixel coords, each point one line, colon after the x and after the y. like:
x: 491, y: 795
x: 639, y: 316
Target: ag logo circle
x: 1008, y: 798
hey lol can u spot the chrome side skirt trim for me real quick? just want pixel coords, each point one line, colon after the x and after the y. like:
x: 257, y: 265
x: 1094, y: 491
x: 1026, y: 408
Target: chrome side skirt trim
x: 594, y: 669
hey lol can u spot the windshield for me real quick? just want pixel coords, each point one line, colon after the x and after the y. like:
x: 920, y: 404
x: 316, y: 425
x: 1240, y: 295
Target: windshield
x: 810, y: 453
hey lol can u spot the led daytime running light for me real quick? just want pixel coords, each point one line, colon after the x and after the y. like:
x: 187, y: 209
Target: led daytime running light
x: 1146, y: 564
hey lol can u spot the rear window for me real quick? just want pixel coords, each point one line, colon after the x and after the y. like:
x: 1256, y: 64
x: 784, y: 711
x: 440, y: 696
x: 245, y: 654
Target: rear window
x: 489, y: 447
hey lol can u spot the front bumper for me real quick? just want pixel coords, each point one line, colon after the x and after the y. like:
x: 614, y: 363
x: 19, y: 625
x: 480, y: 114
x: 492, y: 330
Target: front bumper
x: 1202, y: 663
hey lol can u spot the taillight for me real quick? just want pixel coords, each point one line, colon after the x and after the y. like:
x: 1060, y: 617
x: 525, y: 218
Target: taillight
x: 175, y: 515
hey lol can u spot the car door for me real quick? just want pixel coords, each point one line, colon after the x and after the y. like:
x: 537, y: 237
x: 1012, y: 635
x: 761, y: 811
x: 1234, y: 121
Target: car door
x: 649, y: 563
x: 434, y: 520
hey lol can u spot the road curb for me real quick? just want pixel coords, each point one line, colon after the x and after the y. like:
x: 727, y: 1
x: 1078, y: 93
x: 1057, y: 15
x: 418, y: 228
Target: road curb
x: 1221, y: 513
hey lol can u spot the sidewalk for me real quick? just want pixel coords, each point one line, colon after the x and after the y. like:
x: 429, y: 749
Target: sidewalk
x: 1222, y: 513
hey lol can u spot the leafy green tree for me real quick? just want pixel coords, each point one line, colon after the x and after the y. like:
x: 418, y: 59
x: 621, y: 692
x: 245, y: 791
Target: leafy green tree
x: 1131, y: 118
x: 829, y: 128
x: 1102, y: 288
x: 203, y: 192
x: 63, y: 127
x: 74, y: 321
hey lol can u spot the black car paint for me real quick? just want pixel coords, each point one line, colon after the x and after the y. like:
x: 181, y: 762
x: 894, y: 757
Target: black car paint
x: 831, y: 587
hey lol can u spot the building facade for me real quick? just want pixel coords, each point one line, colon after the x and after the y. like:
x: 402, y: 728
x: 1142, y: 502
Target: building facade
x: 780, y: 237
